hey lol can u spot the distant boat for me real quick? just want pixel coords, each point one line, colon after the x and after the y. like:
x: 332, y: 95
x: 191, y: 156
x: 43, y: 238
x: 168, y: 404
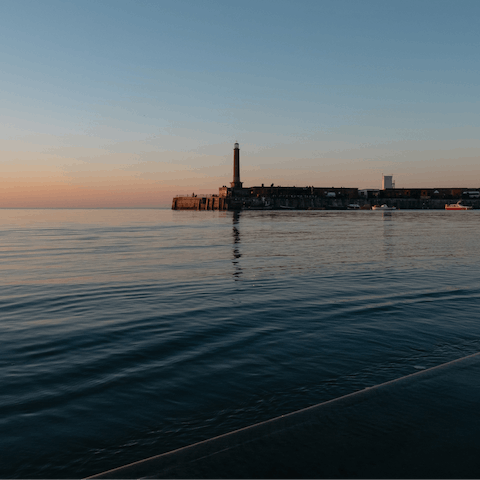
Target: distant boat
x: 383, y: 207
x: 286, y: 207
x: 353, y: 206
x: 457, y: 206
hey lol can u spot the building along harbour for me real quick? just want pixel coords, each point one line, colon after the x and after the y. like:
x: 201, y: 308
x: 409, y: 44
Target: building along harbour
x: 276, y: 197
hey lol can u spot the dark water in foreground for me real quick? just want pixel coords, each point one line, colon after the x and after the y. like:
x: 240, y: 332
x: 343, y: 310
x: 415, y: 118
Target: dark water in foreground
x: 127, y: 333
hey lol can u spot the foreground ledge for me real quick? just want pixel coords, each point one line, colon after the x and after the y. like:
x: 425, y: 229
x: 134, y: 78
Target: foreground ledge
x: 424, y: 425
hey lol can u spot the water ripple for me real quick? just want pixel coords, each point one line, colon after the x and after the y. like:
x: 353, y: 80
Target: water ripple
x: 126, y: 334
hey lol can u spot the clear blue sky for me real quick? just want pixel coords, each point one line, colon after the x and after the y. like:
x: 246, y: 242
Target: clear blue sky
x: 311, y: 90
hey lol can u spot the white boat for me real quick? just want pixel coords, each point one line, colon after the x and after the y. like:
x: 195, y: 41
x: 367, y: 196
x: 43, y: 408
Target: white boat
x: 457, y: 206
x: 353, y: 206
x: 383, y: 207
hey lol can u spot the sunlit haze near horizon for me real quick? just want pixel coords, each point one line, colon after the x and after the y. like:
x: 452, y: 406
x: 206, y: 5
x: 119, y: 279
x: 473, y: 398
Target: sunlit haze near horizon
x: 127, y: 103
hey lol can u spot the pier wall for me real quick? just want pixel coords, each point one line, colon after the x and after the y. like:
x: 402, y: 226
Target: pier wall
x: 309, y: 202
x: 205, y: 203
x: 322, y: 203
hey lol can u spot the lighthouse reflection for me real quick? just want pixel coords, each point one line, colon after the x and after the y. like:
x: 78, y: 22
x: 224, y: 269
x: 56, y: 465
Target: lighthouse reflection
x: 388, y: 222
x: 237, y: 270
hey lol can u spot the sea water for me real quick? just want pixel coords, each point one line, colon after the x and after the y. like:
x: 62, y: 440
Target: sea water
x: 128, y: 333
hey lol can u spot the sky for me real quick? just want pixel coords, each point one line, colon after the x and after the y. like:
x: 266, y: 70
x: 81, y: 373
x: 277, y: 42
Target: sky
x: 128, y: 103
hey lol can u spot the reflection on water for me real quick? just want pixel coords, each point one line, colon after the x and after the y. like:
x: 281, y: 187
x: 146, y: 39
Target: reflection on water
x: 237, y: 270
x: 388, y: 234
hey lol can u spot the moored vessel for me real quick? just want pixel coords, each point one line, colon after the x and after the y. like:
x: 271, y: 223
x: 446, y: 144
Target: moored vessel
x: 383, y: 207
x: 457, y: 206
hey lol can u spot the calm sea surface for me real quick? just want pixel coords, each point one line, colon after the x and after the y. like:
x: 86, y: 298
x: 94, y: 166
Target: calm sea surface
x: 128, y: 333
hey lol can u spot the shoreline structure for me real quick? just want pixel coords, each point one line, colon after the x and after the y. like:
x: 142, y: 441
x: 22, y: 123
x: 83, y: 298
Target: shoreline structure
x: 237, y: 197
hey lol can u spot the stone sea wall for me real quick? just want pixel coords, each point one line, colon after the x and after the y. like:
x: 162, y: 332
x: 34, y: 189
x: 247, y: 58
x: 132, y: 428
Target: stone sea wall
x: 308, y: 202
